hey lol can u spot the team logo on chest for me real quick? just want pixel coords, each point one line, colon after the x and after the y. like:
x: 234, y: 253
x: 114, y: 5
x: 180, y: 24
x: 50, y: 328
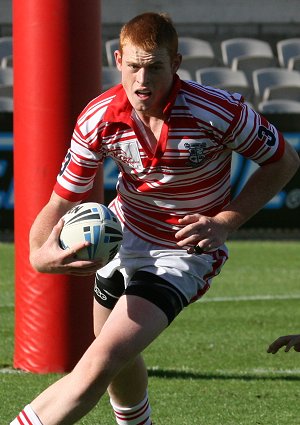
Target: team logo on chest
x: 196, y: 153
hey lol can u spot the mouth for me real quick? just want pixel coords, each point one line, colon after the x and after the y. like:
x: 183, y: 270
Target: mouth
x: 143, y: 94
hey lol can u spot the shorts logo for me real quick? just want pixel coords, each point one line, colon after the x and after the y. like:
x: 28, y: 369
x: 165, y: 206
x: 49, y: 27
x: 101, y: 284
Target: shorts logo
x: 196, y: 151
x: 99, y: 293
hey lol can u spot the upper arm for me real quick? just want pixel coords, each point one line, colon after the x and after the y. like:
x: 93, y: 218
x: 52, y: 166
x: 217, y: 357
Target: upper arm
x: 287, y: 165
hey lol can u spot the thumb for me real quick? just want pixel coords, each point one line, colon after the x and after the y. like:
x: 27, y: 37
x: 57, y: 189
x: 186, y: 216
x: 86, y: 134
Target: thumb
x: 57, y: 229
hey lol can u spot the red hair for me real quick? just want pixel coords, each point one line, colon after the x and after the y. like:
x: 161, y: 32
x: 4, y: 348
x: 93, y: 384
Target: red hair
x: 150, y: 31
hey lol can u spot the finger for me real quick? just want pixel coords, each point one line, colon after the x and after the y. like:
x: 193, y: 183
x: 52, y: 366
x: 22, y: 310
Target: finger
x: 80, y: 272
x: 190, y: 218
x: 191, y: 241
x: 55, y: 233
x: 82, y: 268
x: 272, y: 349
x: 185, y: 232
x: 71, y: 252
x: 85, y: 263
x: 278, y: 343
x: 293, y: 342
x: 289, y: 345
x: 188, y: 221
x: 58, y: 227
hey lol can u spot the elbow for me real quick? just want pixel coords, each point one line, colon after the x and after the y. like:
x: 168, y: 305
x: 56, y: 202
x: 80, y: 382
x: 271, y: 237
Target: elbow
x: 292, y: 160
x: 295, y: 163
x: 34, y: 263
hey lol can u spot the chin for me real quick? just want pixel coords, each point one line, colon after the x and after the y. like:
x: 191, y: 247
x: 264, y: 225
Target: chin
x: 142, y: 108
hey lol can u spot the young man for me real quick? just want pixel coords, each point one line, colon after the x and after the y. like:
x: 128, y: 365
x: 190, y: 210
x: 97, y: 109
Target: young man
x: 172, y: 141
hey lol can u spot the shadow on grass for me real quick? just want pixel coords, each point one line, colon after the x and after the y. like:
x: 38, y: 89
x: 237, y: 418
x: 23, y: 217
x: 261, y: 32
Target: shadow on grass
x: 182, y: 374
x: 186, y: 374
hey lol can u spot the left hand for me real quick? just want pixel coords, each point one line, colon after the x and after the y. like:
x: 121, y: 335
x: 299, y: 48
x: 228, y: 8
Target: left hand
x: 206, y: 232
x: 288, y: 341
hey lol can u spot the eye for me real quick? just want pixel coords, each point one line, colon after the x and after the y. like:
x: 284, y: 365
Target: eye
x: 156, y: 67
x: 133, y: 66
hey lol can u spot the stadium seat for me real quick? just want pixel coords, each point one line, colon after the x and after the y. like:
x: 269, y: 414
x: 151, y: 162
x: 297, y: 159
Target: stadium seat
x: 279, y: 106
x: 225, y: 78
x: 286, y: 50
x: 7, y: 62
x: 6, y: 76
x: 110, y: 77
x: 248, y: 64
x: 6, y: 47
x: 276, y: 82
x: 196, y: 53
x: 6, y: 104
x: 291, y: 92
x: 6, y: 90
x: 294, y: 63
x: 110, y: 47
x: 248, y: 47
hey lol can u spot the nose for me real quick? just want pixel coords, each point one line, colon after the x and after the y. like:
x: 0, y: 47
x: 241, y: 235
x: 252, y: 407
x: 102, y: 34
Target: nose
x: 143, y: 76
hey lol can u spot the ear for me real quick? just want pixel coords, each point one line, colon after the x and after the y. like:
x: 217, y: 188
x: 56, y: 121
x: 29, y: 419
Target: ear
x: 118, y: 59
x: 176, y: 63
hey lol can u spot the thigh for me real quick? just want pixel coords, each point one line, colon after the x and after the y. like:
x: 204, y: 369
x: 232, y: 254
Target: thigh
x: 131, y: 326
x: 100, y: 315
x: 107, y: 292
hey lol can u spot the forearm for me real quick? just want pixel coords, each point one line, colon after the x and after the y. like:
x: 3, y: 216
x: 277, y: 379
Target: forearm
x: 46, y: 256
x: 261, y: 187
x: 42, y: 228
x: 46, y: 220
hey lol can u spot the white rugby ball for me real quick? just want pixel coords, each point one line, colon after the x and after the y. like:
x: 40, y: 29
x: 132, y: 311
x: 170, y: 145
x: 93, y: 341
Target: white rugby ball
x: 95, y: 223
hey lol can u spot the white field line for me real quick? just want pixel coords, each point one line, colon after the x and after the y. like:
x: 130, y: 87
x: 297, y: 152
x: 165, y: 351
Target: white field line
x: 259, y: 372
x: 226, y: 299
x: 250, y: 298
x: 10, y: 371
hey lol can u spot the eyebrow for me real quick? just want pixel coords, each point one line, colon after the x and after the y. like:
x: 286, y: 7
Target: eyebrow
x: 130, y: 62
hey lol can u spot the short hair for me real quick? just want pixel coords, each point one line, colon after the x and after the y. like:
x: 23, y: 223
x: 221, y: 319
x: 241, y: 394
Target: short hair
x: 151, y: 31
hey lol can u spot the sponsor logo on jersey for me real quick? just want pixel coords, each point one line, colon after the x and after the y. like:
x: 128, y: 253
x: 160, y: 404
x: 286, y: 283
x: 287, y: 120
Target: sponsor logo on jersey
x: 128, y: 153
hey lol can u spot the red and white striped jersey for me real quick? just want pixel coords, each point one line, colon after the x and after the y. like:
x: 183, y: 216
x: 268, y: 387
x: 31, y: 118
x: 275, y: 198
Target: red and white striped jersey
x: 189, y: 171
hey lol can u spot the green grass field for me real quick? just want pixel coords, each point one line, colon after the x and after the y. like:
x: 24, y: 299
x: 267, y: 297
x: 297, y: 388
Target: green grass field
x: 210, y: 367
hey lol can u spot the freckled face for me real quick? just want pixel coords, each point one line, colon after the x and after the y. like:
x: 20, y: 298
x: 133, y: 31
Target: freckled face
x: 146, y: 77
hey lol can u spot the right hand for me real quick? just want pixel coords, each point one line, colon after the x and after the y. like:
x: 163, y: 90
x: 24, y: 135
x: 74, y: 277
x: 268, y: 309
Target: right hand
x: 51, y: 258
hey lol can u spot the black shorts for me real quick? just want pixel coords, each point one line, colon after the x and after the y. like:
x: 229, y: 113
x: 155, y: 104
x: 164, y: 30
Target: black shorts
x: 143, y: 284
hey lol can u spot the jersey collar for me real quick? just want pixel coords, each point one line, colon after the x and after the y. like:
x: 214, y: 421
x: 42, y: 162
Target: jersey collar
x: 120, y: 109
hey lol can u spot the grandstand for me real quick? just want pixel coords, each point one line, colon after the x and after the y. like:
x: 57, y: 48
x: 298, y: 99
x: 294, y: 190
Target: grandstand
x: 237, y: 39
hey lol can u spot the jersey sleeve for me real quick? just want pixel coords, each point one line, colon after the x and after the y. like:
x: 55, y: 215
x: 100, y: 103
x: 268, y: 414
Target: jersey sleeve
x: 80, y: 165
x: 252, y: 136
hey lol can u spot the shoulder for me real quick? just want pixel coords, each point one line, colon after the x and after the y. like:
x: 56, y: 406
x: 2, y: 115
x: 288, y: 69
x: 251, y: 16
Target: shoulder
x: 103, y: 109
x: 101, y: 102
x: 211, y: 106
x: 210, y: 94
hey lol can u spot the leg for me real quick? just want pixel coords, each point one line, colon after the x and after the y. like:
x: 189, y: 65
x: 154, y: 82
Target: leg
x: 126, y: 333
x: 130, y: 386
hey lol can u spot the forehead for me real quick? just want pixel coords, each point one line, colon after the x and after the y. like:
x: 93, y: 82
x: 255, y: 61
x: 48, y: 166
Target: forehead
x: 133, y: 53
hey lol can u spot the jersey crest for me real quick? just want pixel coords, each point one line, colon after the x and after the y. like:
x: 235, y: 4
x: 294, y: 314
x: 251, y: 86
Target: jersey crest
x: 196, y: 153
